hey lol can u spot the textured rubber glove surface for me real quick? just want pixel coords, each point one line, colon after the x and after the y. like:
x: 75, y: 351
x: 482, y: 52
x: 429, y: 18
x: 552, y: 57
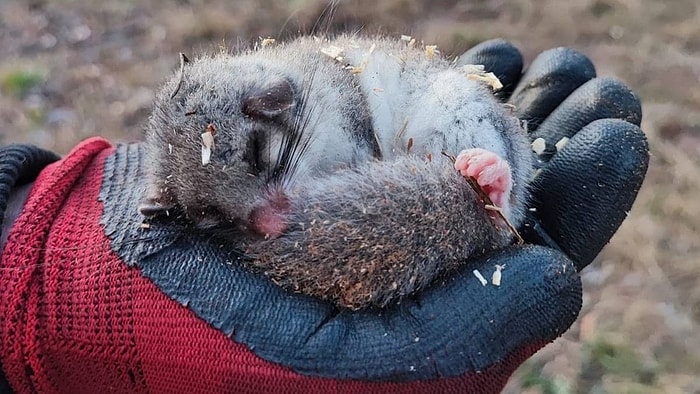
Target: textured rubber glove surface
x: 586, y: 188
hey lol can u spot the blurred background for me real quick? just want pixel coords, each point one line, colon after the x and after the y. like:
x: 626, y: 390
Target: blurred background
x: 70, y: 69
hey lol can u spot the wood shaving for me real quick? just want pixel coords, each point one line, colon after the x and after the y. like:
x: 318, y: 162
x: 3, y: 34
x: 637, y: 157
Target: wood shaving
x: 496, y: 277
x: 478, y: 72
x: 333, y: 52
x: 364, y: 62
x: 539, y: 145
x: 266, y: 42
x: 410, y: 41
x: 431, y: 51
x: 488, y: 78
x: 561, y: 143
x: 481, y: 278
x: 207, y: 147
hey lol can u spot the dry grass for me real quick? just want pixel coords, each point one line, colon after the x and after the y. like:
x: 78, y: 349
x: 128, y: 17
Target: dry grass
x: 75, y: 68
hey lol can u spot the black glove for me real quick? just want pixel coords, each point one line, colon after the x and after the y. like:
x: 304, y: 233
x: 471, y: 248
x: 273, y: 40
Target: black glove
x: 584, y: 192
x: 458, y: 335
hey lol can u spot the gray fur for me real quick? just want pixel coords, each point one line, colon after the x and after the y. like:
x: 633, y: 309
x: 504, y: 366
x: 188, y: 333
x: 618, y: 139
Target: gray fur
x: 376, y: 213
x: 377, y: 233
x: 213, y: 90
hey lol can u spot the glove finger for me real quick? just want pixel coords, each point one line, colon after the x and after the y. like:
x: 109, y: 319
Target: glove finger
x: 599, y: 98
x: 499, y: 57
x: 551, y: 77
x: 586, y: 190
x: 20, y: 164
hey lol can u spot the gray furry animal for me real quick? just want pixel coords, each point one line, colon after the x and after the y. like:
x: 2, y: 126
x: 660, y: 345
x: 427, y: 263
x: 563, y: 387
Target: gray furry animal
x: 322, y: 160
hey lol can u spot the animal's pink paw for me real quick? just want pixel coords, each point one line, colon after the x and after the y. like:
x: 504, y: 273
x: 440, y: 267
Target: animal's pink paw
x: 491, y: 172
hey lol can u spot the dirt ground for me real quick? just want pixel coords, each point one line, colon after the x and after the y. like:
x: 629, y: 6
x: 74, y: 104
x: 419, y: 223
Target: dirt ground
x: 70, y: 69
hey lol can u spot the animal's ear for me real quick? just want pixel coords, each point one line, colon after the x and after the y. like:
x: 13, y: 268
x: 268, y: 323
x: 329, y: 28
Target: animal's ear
x: 270, y: 101
x: 155, y: 203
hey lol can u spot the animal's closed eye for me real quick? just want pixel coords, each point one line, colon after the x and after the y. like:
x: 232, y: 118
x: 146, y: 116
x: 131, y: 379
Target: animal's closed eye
x: 256, y: 150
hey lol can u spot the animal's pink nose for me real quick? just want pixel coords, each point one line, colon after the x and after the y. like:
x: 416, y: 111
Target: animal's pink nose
x: 270, y: 218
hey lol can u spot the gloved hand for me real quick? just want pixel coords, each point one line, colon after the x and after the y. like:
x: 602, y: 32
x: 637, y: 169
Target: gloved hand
x: 94, y: 300
x: 584, y: 192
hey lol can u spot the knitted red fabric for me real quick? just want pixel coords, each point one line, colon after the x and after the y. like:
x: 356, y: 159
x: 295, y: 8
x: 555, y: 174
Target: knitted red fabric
x: 79, y: 320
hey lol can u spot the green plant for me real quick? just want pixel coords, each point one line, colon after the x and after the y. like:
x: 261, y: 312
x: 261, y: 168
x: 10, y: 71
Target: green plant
x: 19, y: 82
